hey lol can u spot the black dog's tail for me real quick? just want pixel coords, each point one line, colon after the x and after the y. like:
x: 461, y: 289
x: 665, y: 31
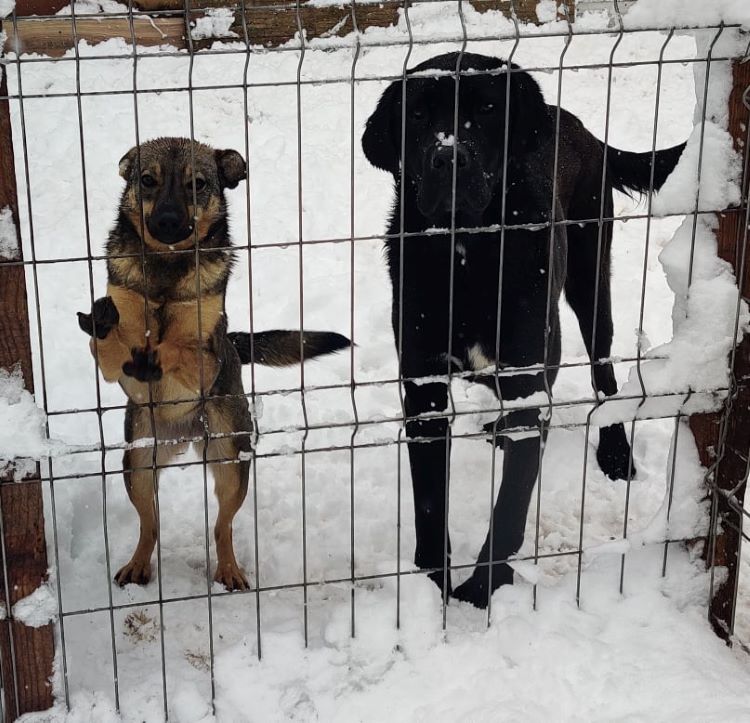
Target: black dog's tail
x: 281, y: 348
x: 632, y: 171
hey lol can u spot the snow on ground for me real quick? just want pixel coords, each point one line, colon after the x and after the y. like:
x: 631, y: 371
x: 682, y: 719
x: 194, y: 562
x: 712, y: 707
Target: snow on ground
x: 647, y: 653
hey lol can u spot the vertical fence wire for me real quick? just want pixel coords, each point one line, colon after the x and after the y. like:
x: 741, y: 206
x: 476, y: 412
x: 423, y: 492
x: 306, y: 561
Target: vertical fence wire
x: 732, y: 394
x: 151, y: 417
x: 300, y: 243
x: 97, y: 386
x: 400, y: 291
x: 451, y: 293
x: 498, y: 323
x: 600, y: 234
x: 352, y: 232
x: 644, y: 277
x: 206, y: 422
x: 554, y: 230
x: 741, y: 280
x: 251, y: 319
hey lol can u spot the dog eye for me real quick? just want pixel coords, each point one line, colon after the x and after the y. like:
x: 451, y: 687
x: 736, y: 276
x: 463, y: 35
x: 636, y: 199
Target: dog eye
x: 147, y: 180
x: 486, y: 108
x: 416, y: 113
x: 200, y: 184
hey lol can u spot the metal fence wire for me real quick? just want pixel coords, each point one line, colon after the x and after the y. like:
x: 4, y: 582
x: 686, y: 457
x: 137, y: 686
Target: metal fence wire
x: 333, y: 427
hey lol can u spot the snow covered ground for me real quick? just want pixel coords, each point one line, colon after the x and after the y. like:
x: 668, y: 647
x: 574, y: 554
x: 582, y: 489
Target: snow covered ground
x: 647, y: 653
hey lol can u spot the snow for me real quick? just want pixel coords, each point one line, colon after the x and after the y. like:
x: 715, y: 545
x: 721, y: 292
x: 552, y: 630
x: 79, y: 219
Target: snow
x: 447, y: 140
x: 37, y: 609
x: 6, y: 7
x: 645, y: 653
x: 686, y: 13
x: 708, y: 316
x: 92, y: 7
x: 22, y: 423
x: 525, y: 667
x: 214, y: 24
x: 8, y: 238
x: 546, y: 11
x: 718, y: 178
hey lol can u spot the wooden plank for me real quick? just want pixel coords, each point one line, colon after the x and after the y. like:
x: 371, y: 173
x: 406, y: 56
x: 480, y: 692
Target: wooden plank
x: 40, y: 7
x: 724, y: 541
x: 26, y: 653
x: 55, y: 36
x: 266, y: 25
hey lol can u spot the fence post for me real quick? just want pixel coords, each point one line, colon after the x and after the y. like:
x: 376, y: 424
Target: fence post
x: 723, y: 438
x: 26, y: 653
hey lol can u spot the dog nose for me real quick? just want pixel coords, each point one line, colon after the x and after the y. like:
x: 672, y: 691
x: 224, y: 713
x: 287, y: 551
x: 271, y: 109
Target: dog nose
x: 442, y: 157
x: 167, y: 223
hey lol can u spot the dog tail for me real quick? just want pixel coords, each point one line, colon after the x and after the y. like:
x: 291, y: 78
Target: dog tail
x: 632, y: 171
x: 281, y: 348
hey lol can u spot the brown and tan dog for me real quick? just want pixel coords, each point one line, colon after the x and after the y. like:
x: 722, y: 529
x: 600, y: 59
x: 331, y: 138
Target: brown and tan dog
x: 161, y: 333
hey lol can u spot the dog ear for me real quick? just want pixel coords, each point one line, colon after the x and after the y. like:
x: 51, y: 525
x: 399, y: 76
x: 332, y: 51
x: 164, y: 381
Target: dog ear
x: 127, y: 161
x: 531, y: 122
x: 232, y: 168
x: 379, y: 142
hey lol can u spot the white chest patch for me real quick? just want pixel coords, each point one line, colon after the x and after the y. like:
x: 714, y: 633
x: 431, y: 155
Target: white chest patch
x: 478, y: 360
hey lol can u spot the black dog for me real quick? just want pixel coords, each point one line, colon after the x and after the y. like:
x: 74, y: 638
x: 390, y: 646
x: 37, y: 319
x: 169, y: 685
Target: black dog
x: 449, y: 292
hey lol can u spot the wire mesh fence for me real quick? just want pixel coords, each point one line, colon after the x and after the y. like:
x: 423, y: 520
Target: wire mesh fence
x: 326, y: 450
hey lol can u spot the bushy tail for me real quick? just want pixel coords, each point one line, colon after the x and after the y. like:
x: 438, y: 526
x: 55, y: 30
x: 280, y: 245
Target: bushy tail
x: 632, y: 171
x: 281, y: 348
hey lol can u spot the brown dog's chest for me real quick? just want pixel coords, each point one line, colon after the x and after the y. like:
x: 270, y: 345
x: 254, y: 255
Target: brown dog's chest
x: 180, y: 332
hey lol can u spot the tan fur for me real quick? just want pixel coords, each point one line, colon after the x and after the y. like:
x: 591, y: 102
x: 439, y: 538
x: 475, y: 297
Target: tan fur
x: 231, y: 489
x: 140, y: 479
x: 208, y: 277
x: 206, y: 216
x: 113, y: 351
x: 173, y: 306
x: 182, y: 351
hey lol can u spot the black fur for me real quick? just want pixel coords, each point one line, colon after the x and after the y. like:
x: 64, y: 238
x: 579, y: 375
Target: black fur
x: 536, y: 264
x: 632, y: 171
x: 103, y: 318
x: 282, y: 348
x: 144, y: 366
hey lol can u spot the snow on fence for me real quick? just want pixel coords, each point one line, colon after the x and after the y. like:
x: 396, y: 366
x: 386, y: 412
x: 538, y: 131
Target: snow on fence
x: 326, y: 533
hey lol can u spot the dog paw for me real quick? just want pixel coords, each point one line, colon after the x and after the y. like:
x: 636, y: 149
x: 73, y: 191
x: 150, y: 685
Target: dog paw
x: 475, y: 589
x: 614, y: 454
x: 438, y: 578
x: 104, y: 316
x: 136, y: 571
x: 144, y: 366
x: 231, y: 577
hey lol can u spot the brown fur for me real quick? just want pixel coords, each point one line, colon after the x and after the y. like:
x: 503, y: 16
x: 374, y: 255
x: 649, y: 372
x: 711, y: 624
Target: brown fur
x: 161, y: 333
x: 169, y: 349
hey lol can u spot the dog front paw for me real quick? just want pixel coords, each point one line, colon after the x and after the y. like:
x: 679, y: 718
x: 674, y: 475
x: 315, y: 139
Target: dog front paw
x: 144, y: 365
x: 102, y: 319
x: 614, y: 454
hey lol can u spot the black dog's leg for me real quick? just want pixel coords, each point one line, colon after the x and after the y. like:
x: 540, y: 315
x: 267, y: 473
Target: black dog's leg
x: 613, y: 454
x: 520, y: 469
x: 429, y: 459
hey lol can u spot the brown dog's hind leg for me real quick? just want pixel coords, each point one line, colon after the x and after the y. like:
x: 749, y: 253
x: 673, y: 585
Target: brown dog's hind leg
x: 140, y: 486
x: 140, y: 477
x: 230, y: 484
